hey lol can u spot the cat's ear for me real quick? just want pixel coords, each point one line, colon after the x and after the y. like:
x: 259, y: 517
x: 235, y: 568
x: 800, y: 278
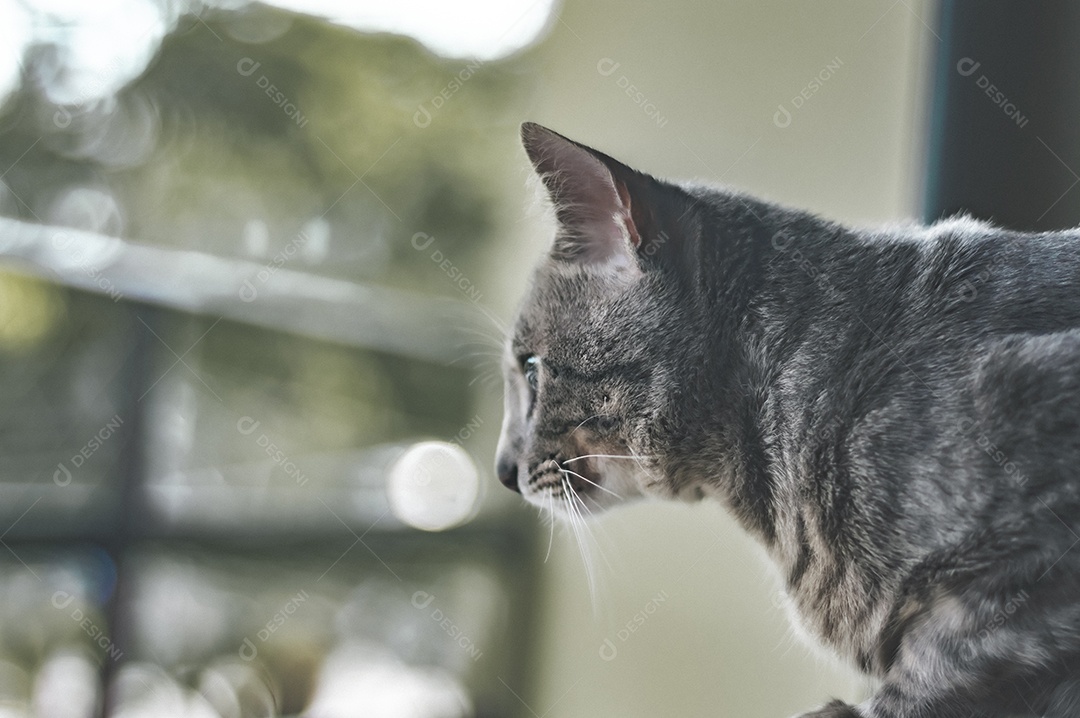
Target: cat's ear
x: 599, y: 202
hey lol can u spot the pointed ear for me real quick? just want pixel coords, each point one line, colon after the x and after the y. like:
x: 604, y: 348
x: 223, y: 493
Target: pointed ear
x: 599, y: 202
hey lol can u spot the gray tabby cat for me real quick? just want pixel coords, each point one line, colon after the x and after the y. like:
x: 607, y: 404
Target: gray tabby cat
x: 894, y: 414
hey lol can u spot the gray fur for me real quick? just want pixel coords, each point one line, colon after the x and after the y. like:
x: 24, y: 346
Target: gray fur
x: 894, y: 414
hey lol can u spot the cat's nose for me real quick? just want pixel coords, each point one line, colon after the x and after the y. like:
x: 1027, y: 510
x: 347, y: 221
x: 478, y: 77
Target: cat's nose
x: 508, y: 474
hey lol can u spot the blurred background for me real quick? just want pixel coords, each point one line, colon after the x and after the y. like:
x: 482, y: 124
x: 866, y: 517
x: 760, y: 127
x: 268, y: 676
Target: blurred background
x: 256, y: 261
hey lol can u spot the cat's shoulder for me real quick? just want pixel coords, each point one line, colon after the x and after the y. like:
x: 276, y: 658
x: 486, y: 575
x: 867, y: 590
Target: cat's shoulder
x: 1026, y: 393
x: 959, y: 228
x: 965, y: 229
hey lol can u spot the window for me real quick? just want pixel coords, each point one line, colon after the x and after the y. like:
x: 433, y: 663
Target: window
x: 242, y: 276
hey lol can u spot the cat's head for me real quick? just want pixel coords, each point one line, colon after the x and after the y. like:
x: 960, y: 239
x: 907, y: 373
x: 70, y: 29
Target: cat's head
x: 589, y: 365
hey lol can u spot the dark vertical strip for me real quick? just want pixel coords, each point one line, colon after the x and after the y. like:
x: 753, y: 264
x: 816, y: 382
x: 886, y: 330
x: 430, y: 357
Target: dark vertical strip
x: 130, y: 504
x: 935, y: 126
x: 1003, y: 137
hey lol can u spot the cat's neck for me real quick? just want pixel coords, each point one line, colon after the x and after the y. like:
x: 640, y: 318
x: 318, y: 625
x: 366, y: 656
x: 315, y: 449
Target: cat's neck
x: 756, y: 286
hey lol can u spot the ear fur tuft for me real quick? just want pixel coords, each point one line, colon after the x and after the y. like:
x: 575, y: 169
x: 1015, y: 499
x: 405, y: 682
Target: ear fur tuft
x: 592, y: 195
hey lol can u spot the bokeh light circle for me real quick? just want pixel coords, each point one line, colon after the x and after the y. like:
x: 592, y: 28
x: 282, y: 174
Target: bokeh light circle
x: 433, y: 486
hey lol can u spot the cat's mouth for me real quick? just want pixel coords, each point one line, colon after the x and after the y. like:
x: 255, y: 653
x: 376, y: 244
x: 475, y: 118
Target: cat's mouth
x: 553, y: 476
x: 578, y: 485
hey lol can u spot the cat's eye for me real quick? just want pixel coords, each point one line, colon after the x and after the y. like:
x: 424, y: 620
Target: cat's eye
x: 531, y: 367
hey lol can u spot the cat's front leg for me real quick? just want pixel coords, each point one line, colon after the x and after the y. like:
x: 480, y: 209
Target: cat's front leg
x: 835, y: 709
x: 906, y: 696
x: 935, y: 709
x: 981, y: 656
x: 955, y: 660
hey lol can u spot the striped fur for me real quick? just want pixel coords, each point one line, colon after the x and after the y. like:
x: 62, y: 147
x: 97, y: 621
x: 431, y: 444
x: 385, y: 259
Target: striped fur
x: 894, y: 414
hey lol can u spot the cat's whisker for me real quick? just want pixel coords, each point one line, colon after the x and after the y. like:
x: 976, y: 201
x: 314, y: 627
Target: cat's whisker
x: 479, y: 371
x: 645, y: 469
x: 585, y: 509
x: 610, y: 456
x: 481, y: 330
x: 502, y: 329
x: 583, y: 423
x: 577, y: 525
x: 481, y: 339
x: 598, y: 526
x: 479, y: 353
x: 572, y: 492
x: 480, y: 342
x: 590, y: 481
x: 498, y: 323
x: 479, y: 359
x: 492, y: 341
x: 485, y: 334
x: 487, y: 374
x: 484, y: 379
x: 551, y: 520
x: 635, y: 457
x: 587, y: 544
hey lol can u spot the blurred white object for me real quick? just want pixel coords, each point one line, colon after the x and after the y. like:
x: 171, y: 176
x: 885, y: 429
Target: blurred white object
x: 66, y: 686
x: 477, y: 29
x: 144, y: 690
x: 433, y: 486
x: 359, y: 681
x: 98, y: 47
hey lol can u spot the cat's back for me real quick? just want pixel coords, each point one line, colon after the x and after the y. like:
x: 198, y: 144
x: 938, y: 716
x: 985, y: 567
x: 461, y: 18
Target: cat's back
x: 996, y: 280
x: 984, y: 330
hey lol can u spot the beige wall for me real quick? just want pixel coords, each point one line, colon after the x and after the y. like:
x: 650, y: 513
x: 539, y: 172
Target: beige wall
x: 714, y: 75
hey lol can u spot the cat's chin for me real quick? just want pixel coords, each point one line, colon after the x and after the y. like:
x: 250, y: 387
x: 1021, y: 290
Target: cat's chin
x: 663, y: 490
x: 692, y: 494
